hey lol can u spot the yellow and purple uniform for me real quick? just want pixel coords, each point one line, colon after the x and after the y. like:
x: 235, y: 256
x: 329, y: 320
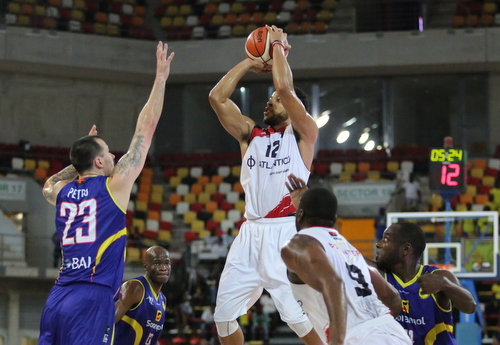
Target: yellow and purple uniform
x: 143, y: 324
x: 93, y: 236
x: 425, y: 321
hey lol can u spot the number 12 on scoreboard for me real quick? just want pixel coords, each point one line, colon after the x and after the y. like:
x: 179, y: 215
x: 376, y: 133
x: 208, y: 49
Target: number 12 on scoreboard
x: 448, y: 173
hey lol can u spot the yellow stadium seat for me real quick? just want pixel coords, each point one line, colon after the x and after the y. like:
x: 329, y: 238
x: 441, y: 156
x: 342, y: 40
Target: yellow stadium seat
x: 471, y: 190
x: 219, y: 215
x: 133, y: 254
x: 373, y: 175
x: 157, y: 188
x: 204, y: 234
x: 203, y: 197
x: 345, y: 177
x: 349, y: 167
x: 44, y: 164
x: 240, y: 206
x: 477, y: 172
x: 488, y: 181
x: 164, y: 235
x: 236, y: 170
x: 29, y: 164
x: 174, y: 181
x: 156, y: 198
x: 392, y: 166
x: 189, y: 217
x: 139, y: 224
x: 197, y: 226
x: 141, y: 206
x: 189, y: 198
x: 182, y: 172
x: 210, y: 188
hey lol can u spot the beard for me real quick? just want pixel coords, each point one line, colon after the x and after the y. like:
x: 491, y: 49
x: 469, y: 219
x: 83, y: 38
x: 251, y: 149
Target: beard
x: 275, y: 119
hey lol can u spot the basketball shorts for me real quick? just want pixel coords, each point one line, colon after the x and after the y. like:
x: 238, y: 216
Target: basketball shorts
x: 78, y: 314
x: 253, y: 263
x: 382, y: 330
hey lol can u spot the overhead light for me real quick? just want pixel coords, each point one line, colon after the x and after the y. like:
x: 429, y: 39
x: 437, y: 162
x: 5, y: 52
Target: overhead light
x: 343, y: 136
x: 323, y: 119
x: 349, y: 122
x: 363, y: 138
x: 369, y: 145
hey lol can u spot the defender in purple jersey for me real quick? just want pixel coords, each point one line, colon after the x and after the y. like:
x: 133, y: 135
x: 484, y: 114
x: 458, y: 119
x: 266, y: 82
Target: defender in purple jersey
x: 91, y: 196
x: 140, y: 309
x: 427, y: 293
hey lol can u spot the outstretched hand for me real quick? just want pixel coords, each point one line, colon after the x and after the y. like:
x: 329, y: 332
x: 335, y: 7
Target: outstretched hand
x: 296, y: 186
x: 277, y: 34
x: 162, y: 61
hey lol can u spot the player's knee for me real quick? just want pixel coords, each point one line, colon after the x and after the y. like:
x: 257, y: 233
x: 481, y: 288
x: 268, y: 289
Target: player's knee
x: 301, y: 329
x: 226, y: 328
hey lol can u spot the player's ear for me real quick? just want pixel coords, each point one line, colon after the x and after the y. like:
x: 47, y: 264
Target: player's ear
x: 98, y: 161
x: 407, y: 249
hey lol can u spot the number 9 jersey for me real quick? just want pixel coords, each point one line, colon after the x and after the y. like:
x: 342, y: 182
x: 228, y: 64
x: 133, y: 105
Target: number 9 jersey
x: 368, y: 319
x: 93, y: 234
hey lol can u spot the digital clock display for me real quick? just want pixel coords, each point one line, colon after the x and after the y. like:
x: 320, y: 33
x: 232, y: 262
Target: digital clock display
x: 447, y: 169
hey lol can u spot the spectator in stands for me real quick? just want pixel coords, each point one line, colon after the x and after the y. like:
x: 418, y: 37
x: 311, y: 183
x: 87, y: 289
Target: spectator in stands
x: 260, y: 323
x: 208, y: 330
x: 268, y: 154
x: 56, y: 240
x: 380, y: 223
x: 495, y: 192
x: 90, y: 197
x: 412, y: 194
x: 184, y: 314
x: 220, y: 248
x: 269, y: 308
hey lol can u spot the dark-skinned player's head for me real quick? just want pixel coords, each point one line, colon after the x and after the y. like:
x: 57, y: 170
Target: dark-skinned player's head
x: 317, y: 207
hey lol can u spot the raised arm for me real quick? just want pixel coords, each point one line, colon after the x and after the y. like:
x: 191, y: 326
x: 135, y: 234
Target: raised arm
x: 130, y: 165
x: 131, y: 293
x: 302, y: 122
x: 54, y: 184
x: 304, y: 256
x: 446, y: 287
x: 230, y: 116
x: 385, y: 292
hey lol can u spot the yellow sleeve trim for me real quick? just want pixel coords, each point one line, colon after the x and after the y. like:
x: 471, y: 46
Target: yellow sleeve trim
x: 107, y: 243
x: 136, y: 327
x: 431, y: 336
x: 112, y: 197
x: 143, y: 293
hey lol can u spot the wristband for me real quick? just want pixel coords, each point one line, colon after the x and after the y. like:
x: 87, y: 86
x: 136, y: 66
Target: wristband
x: 277, y: 42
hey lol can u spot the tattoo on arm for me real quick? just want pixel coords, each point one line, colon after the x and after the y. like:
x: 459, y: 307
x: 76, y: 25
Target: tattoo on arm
x: 134, y: 156
x: 67, y: 174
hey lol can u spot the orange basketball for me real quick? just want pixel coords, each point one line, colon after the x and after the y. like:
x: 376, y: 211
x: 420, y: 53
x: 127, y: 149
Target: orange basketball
x: 258, y: 46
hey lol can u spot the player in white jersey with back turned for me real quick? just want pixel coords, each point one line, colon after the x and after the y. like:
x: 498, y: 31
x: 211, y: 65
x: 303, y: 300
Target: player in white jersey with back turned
x: 332, y: 281
x: 268, y: 157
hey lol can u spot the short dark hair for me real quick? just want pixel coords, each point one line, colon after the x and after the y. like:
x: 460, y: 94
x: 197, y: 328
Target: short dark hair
x: 319, y: 206
x: 302, y: 96
x: 83, y: 152
x: 411, y: 233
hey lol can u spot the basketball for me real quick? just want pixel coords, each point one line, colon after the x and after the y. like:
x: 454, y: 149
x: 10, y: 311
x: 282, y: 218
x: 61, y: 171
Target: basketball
x: 258, y: 46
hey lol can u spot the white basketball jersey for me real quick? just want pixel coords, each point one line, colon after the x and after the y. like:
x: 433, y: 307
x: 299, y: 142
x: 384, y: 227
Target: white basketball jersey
x: 362, y: 301
x: 271, y: 156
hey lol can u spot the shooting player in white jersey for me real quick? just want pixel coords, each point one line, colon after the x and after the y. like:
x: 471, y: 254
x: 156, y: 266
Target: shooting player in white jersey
x: 268, y: 156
